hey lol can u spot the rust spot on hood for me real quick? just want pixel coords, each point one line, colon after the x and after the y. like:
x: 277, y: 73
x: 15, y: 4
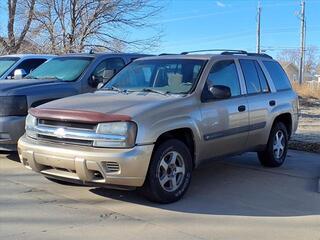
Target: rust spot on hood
x: 76, y: 115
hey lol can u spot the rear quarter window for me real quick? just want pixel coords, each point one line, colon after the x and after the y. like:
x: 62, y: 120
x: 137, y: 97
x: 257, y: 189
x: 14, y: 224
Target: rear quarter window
x: 278, y: 75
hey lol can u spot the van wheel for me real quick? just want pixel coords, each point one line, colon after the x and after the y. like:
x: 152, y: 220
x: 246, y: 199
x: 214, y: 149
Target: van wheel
x: 169, y: 173
x: 277, y: 147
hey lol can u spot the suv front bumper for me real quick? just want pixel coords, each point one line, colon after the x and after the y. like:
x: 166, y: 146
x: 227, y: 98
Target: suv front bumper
x: 121, y: 167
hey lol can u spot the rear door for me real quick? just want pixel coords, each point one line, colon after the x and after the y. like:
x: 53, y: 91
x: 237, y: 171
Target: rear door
x: 260, y: 101
x: 224, y: 122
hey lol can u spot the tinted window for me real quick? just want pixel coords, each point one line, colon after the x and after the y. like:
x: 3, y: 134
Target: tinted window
x: 29, y: 65
x: 169, y: 76
x: 262, y: 78
x: 250, y: 76
x: 6, y: 63
x: 279, y: 77
x: 115, y: 64
x: 225, y: 73
x: 62, y: 68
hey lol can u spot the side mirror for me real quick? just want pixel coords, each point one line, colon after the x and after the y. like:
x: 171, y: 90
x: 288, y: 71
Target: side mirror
x: 100, y: 85
x: 220, y: 92
x: 19, y: 73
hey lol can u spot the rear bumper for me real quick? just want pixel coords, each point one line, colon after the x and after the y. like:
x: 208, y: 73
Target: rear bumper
x: 121, y: 167
x: 11, y: 129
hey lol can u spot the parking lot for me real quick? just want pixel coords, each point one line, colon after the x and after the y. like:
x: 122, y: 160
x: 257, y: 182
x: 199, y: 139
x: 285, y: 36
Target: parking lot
x: 234, y: 198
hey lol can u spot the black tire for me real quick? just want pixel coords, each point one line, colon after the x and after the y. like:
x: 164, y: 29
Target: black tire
x: 270, y: 157
x: 153, y: 190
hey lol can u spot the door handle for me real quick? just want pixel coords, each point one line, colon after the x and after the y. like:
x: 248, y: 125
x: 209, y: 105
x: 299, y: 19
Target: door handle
x: 241, y: 108
x: 272, y: 103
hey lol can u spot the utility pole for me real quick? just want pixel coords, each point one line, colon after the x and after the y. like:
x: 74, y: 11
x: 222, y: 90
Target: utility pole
x: 258, y: 27
x: 302, y: 41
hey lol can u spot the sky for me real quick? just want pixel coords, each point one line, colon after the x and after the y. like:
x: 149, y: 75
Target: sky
x: 187, y: 25
x: 208, y: 24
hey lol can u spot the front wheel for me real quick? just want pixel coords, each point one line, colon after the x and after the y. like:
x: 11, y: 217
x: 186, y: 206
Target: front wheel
x: 277, y: 147
x: 169, y: 173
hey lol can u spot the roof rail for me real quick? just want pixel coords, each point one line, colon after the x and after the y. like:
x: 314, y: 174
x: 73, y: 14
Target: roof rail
x: 216, y: 50
x: 230, y: 52
x: 260, y: 55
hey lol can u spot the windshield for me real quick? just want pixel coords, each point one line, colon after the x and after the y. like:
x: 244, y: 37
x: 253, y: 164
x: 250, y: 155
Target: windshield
x: 62, y: 68
x: 6, y: 63
x: 176, y: 76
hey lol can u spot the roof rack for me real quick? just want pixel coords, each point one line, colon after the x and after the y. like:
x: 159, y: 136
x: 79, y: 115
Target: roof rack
x: 216, y: 50
x: 230, y: 52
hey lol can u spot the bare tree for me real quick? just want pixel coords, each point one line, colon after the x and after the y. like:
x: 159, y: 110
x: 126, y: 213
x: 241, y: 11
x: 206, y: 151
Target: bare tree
x: 77, y: 25
x: 293, y: 55
x: 20, y: 15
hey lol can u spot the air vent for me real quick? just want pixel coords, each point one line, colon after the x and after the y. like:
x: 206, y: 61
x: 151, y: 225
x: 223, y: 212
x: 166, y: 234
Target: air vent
x: 112, y: 167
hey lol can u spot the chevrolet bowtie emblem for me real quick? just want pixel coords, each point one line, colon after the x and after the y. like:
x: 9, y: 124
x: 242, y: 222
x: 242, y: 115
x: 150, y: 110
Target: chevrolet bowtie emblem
x: 60, y: 133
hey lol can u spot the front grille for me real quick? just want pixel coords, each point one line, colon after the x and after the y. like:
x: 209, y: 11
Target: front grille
x: 56, y: 125
x: 67, y: 124
x: 65, y: 140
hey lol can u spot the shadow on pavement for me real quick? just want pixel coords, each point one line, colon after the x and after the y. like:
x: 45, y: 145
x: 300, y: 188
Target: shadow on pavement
x: 244, y: 189
x: 11, y: 155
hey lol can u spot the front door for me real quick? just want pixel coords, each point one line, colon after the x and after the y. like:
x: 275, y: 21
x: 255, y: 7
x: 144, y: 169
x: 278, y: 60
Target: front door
x: 224, y: 123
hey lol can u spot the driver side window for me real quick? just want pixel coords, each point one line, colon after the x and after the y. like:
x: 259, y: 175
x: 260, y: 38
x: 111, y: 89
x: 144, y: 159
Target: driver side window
x: 107, y: 68
x: 224, y: 73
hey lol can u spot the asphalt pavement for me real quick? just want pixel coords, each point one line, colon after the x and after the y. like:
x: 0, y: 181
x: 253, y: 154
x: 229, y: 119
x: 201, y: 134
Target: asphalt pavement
x: 233, y: 198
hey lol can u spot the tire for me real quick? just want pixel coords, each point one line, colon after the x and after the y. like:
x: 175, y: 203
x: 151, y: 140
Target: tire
x: 277, y: 147
x: 169, y: 173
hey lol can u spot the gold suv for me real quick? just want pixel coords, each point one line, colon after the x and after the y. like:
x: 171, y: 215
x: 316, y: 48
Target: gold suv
x: 160, y: 117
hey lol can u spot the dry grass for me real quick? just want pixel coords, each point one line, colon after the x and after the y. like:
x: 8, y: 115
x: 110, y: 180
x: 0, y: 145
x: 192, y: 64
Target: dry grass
x: 307, y: 91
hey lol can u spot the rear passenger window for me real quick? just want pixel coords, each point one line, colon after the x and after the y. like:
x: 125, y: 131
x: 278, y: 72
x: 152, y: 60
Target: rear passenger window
x: 250, y: 76
x: 262, y: 77
x: 225, y: 73
x: 279, y: 77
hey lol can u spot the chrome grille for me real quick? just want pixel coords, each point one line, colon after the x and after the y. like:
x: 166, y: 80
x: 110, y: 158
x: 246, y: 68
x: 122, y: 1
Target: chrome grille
x: 70, y: 133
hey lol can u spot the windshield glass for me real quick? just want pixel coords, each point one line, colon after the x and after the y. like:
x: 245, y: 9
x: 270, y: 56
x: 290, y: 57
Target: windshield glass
x: 177, y: 76
x: 6, y: 63
x: 61, y: 68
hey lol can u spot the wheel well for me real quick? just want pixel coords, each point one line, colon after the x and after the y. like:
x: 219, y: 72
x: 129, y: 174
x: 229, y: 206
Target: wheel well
x: 185, y: 135
x: 286, y: 119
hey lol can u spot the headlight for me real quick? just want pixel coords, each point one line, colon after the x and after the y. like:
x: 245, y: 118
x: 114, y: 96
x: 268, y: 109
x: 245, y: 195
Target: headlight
x: 13, y: 106
x: 31, y: 122
x: 120, y: 134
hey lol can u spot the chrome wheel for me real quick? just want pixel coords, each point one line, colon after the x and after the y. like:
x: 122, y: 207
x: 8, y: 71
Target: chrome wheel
x: 279, y: 144
x: 171, y: 171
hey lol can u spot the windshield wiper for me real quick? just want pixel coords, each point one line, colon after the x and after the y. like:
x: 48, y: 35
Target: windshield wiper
x: 113, y: 88
x: 154, y: 91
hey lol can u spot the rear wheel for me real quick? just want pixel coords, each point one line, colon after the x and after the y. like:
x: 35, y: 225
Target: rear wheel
x: 277, y: 147
x: 169, y: 173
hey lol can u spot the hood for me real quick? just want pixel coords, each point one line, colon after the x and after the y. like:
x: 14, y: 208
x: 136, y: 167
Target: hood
x: 113, y: 102
x: 8, y: 85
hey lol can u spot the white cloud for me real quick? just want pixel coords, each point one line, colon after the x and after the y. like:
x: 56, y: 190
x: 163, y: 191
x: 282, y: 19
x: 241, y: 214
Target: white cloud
x: 220, y: 4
